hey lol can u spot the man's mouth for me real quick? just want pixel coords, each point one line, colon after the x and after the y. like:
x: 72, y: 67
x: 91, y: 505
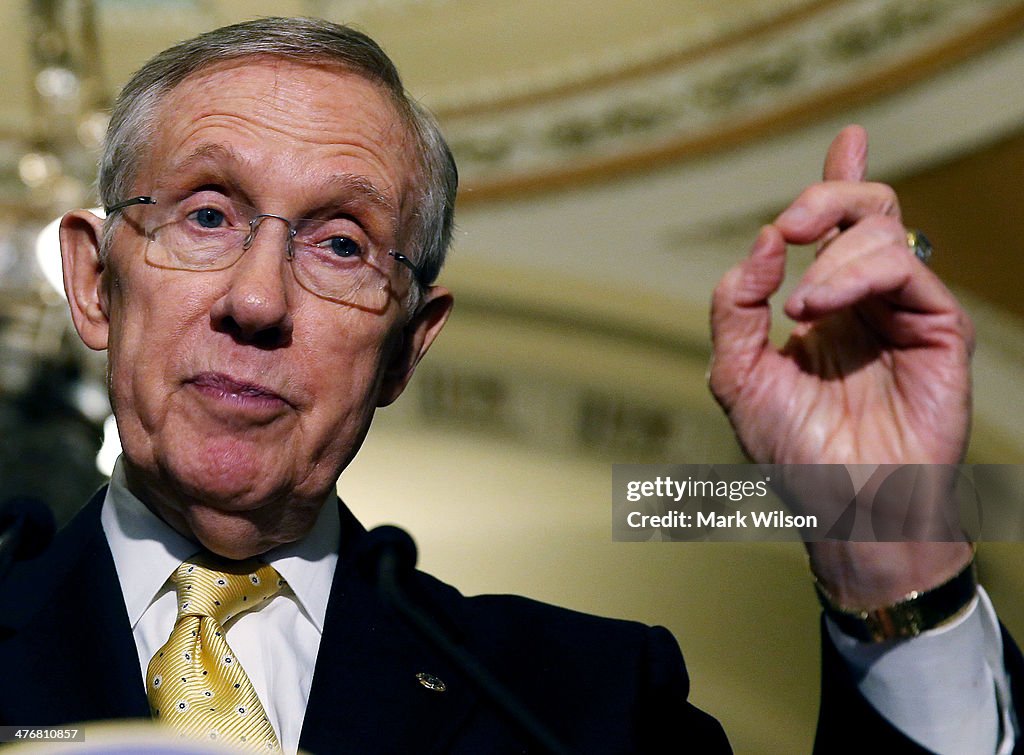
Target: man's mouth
x: 237, y: 392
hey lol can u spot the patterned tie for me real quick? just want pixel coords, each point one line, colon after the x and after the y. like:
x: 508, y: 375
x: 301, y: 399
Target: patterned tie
x: 194, y: 682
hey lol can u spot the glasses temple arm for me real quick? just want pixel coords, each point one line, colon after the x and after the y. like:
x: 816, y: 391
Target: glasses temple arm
x: 417, y: 272
x: 128, y: 203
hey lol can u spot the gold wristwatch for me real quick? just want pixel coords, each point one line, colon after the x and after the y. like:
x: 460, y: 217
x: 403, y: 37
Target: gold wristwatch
x: 917, y: 612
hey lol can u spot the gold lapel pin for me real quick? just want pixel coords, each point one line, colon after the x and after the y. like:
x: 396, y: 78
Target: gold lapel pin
x: 431, y: 682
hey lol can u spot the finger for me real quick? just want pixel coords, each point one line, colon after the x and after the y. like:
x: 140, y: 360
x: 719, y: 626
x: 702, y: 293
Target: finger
x: 741, y: 314
x: 847, y: 157
x: 822, y: 207
x: 869, y: 261
x: 846, y: 160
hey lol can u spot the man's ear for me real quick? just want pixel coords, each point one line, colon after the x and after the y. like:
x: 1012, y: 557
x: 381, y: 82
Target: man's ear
x: 80, y: 234
x: 413, y: 342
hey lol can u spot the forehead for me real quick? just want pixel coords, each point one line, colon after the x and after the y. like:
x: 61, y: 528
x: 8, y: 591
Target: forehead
x: 276, y: 127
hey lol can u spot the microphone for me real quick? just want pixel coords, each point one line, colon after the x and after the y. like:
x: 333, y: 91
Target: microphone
x: 388, y: 555
x: 26, y: 527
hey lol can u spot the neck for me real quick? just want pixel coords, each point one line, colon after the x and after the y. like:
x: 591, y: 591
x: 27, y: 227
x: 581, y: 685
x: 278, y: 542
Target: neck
x: 220, y: 529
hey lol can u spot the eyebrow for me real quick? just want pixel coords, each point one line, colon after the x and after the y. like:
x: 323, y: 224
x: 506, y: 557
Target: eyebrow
x: 360, y: 190
x: 353, y: 189
x: 208, y: 153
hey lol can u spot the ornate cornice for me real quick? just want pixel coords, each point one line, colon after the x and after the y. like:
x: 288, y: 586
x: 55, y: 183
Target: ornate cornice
x: 806, y: 65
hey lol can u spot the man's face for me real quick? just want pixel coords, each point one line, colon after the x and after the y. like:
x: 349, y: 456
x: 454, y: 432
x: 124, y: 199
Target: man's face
x: 239, y: 395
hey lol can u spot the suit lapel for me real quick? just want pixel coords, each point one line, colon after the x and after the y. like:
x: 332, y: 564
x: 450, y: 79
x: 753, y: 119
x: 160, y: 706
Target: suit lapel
x: 365, y: 695
x: 73, y: 643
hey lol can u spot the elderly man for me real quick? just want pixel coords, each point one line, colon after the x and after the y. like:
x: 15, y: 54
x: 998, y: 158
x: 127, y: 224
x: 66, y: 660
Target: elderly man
x: 277, y: 212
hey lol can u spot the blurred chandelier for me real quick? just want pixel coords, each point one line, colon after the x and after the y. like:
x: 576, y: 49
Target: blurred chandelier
x: 52, y: 397
x: 48, y: 170
x: 68, y: 104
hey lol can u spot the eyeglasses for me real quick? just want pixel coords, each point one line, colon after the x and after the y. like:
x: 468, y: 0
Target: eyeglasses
x: 332, y: 258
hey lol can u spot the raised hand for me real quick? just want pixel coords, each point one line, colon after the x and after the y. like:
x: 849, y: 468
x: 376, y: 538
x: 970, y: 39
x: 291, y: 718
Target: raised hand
x: 877, y: 368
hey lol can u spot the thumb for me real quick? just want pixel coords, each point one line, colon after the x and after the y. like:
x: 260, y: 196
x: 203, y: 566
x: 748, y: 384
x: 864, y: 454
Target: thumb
x: 741, y: 315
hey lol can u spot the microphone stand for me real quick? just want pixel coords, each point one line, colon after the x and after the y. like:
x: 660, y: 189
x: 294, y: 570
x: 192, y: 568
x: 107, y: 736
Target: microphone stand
x: 389, y: 571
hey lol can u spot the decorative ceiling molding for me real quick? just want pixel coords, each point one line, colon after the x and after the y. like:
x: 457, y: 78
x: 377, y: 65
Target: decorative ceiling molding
x: 684, y: 41
x: 536, y: 96
x: 785, y: 74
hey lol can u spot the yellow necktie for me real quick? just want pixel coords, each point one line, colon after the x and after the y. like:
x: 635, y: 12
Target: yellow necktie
x: 194, y: 681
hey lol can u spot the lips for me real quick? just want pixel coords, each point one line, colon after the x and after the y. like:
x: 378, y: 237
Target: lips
x: 242, y: 393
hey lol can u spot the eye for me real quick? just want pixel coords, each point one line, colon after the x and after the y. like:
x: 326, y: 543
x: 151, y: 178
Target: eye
x: 208, y: 217
x: 342, y: 246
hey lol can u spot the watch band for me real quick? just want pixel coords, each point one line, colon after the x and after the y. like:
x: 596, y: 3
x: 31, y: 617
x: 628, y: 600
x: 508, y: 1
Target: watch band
x: 917, y: 612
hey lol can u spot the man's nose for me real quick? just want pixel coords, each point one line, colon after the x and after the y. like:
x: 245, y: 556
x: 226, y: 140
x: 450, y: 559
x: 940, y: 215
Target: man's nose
x: 256, y: 307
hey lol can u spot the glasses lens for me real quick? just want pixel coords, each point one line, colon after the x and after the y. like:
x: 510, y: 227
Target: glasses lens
x: 336, y: 260
x: 202, y: 231
x: 333, y: 258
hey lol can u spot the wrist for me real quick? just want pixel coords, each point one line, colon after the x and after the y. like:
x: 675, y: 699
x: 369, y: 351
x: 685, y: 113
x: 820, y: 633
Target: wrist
x: 879, y: 574
x: 914, y: 612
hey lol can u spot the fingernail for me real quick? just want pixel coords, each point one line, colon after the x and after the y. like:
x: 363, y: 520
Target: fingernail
x: 798, y: 300
x: 794, y: 216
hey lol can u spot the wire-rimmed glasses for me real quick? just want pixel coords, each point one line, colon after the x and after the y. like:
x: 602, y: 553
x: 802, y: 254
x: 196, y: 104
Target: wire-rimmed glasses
x: 332, y: 257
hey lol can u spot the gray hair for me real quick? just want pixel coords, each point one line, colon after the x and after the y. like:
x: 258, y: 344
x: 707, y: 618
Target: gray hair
x: 306, y: 40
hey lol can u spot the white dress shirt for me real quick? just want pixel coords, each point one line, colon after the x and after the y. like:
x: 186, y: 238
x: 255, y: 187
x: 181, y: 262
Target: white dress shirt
x: 277, y: 646
x: 946, y: 689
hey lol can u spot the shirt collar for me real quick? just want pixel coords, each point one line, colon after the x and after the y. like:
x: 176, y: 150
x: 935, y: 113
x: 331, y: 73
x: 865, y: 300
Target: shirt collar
x: 146, y: 552
x: 308, y: 564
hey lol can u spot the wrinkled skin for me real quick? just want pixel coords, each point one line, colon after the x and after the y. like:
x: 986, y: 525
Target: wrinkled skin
x: 876, y: 370
x: 239, y: 395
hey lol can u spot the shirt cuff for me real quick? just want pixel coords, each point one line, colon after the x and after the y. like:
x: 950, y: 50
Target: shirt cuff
x: 946, y: 689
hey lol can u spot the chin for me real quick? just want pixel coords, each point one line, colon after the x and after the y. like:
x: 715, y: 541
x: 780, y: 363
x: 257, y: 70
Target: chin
x: 229, y: 477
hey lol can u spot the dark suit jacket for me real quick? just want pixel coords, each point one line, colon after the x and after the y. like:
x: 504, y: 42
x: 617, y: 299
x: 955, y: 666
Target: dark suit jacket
x: 603, y: 686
